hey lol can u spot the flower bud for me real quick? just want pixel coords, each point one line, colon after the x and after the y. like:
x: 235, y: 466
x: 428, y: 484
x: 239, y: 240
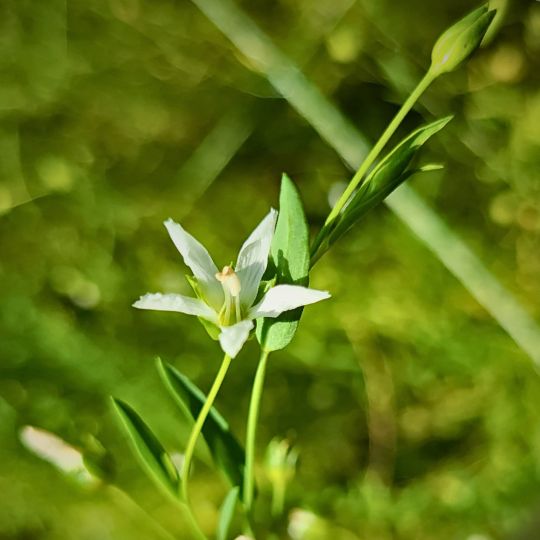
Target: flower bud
x: 280, y: 467
x: 460, y: 40
x: 280, y: 462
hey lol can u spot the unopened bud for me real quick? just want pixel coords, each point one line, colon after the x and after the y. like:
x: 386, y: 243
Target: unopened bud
x: 280, y: 463
x: 460, y: 40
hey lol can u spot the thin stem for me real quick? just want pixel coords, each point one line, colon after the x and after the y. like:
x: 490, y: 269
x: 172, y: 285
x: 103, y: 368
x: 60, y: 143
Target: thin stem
x: 376, y: 150
x: 251, y: 435
x: 278, y: 499
x: 372, y: 156
x: 196, y: 431
x: 316, y: 253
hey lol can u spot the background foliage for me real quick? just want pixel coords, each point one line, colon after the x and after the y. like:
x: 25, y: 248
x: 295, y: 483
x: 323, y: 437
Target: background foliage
x: 415, y: 415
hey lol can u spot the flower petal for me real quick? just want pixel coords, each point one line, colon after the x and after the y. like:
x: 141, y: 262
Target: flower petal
x: 198, y: 259
x: 285, y: 297
x: 232, y: 338
x: 253, y: 258
x: 176, y: 302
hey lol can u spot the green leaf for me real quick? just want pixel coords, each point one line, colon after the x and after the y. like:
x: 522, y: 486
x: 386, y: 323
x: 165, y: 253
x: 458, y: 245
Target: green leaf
x: 385, y: 177
x: 225, y: 449
x: 289, y: 258
x: 147, y: 448
x: 226, y: 514
x: 395, y: 162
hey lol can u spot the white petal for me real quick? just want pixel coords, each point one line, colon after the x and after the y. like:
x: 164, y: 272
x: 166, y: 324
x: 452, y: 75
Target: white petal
x: 232, y: 338
x: 176, y: 302
x: 285, y: 297
x: 51, y: 448
x: 253, y: 258
x: 198, y: 259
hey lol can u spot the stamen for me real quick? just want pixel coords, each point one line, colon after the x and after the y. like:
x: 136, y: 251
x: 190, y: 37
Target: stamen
x: 238, y: 310
x: 227, y: 314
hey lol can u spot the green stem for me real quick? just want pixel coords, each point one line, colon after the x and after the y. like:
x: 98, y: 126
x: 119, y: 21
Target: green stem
x: 196, y: 431
x: 372, y: 156
x: 251, y: 435
x: 381, y: 143
x: 278, y: 499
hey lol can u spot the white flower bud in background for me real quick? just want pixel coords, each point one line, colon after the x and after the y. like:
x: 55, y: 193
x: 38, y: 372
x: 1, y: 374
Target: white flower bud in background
x: 56, y: 451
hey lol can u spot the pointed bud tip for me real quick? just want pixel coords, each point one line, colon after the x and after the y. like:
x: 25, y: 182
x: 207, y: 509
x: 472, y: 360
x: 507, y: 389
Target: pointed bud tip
x: 459, y: 41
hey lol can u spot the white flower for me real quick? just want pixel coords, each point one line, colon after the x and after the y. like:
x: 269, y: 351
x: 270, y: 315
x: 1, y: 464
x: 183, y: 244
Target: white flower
x: 226, y: 298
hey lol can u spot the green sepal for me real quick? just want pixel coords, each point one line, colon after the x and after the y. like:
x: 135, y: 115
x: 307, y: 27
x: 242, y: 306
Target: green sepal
x: 226, y: 451
x: 150, y: 452
x: 212, y: 330
x: 289, y: 260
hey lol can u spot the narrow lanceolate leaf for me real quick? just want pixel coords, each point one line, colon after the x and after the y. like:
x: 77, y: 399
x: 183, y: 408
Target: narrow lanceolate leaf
x: 226, y: 514
x: 148, y: 449
x: 225, y: 449
x: 385, y: 177
x: 290, y: 259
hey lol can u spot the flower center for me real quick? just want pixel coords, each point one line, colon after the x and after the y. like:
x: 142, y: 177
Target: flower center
x: 230, y: 312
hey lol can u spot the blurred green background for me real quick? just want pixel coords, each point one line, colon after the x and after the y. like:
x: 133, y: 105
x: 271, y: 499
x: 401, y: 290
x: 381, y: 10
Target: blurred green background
x: 414, y: 413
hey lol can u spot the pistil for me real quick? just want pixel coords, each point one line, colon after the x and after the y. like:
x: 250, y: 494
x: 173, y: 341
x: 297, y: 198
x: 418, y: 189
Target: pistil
x: 231, y: 287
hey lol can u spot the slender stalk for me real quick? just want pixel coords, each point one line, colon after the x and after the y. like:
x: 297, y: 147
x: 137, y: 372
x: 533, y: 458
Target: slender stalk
x: 372, y: 156
x: 251, y: 435
x: 278, y: 499
x: 381, y: 143
x: 316, y: 251
x: 196, y: 431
